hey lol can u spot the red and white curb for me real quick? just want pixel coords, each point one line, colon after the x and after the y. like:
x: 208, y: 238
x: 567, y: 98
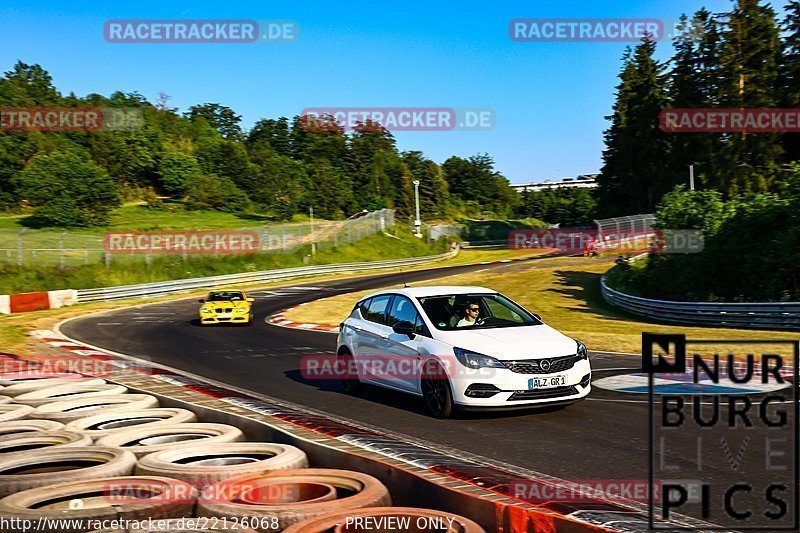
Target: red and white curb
x: 279, y: 319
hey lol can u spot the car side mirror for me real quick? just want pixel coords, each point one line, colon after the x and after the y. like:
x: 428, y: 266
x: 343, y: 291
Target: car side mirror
x: 251, y: 300
x: 201, y: 300
x: 404, y: 327
x: 537, y: 317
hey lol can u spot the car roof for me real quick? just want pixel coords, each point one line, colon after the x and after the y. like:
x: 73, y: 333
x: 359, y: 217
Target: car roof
x: 437, y: 290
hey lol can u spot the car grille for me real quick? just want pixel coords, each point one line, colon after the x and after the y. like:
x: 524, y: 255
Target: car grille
x: 555, y: 392
x: 221, y: 310
x: 531, y: 366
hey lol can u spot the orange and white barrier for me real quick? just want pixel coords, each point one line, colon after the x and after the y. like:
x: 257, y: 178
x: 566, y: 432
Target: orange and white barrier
x: 34, y: 301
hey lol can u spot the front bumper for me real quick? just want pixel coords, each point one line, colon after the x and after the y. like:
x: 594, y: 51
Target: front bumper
x: 238, y: 318
x: 504, y: 389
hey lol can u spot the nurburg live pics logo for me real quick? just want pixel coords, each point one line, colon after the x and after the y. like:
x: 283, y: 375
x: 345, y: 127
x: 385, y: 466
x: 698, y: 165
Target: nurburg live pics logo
x: 741, y: 436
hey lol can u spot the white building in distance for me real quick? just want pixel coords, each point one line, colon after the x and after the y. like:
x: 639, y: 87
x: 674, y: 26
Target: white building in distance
x: 584, y: 181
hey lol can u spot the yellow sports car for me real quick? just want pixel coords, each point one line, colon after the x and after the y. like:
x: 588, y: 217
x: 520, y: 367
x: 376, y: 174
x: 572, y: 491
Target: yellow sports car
x: 232, y: 307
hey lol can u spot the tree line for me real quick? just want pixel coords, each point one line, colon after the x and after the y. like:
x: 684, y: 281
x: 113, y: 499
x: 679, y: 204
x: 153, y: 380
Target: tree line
x: 204, y: 159
x: 746, y: 58
x: 747, y: 196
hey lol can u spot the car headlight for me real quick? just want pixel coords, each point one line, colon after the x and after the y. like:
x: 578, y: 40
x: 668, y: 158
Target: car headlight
x: 207, y: 311
x: 476, y: 360
x: 582, y: 353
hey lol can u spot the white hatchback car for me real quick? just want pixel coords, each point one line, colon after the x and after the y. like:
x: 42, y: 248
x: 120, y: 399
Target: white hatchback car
x: 460, y: 347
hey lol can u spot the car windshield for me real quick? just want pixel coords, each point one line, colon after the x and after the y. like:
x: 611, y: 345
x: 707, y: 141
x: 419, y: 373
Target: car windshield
x: 475, y: 311
x: 225, y: 296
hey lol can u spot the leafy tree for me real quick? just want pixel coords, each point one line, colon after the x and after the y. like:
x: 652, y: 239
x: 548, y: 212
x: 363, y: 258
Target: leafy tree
x: 67, y: 189
x: 331, y: 191
x: 703, y: 210
x: 474, y: 180
x: 282, y: 184
x: 220, y: 117
x: 215, y: 192
x: 129, y: 157
x: 275, y: 132
x: 227, y: 159
x: 177, y: 172
x: 28, y: 86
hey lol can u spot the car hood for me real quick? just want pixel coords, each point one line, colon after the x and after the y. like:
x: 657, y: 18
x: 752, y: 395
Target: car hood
x: 215, y: 305
x: 508, y: 344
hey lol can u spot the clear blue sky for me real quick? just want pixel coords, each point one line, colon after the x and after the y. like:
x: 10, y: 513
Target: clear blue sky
x: 550, y: 99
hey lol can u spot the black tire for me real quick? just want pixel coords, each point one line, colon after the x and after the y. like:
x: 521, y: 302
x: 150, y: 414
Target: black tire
x: 436, y: 392
x: 250, y: 319
x: 349, y: 386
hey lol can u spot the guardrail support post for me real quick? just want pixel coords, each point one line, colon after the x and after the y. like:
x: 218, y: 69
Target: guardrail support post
x: 61, y: 249
x: 20, y: 251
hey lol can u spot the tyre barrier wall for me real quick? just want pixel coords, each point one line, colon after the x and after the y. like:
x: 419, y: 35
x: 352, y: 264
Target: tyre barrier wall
x: 35, y: 301
x: 416, y: 476
x: 769, y: 315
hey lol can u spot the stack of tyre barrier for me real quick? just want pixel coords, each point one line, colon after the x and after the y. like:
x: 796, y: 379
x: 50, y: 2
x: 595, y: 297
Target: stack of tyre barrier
x: 80, y: 454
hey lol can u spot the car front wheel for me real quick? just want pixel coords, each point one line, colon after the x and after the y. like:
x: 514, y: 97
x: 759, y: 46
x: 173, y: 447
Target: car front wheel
x: 436, y: 391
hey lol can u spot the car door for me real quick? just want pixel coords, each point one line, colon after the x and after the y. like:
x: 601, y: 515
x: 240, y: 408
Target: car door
x: 372, y: 338
x: 403, y: 359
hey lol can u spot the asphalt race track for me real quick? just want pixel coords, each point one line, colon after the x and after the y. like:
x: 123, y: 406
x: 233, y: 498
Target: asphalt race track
x: 603, y: 437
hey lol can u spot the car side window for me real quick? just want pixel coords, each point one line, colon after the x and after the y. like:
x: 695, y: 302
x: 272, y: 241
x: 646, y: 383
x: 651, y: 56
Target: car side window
x: 420, y: 327
x: 363, y: 306
x: 376, y: 309
x: 402, y: 309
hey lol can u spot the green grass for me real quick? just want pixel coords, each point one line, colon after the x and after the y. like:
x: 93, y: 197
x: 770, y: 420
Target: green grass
x: 14, y: 279
x: 171, y: 216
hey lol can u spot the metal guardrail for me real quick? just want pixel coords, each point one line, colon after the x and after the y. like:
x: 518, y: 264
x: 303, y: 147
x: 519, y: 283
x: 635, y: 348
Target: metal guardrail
x: 169, y: 287
x: 485, y: 244
x: 771, y: 315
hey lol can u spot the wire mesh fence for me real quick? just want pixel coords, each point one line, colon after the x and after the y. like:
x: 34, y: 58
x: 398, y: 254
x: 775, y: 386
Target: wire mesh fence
x: 33, y: 247
x: 630, y: 224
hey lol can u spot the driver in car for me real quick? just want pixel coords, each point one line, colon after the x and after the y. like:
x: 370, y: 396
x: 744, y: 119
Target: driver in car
x: 470, y: 318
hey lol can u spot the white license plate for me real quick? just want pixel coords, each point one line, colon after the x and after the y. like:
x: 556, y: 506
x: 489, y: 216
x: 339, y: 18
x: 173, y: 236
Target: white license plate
x: 550, y: 381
